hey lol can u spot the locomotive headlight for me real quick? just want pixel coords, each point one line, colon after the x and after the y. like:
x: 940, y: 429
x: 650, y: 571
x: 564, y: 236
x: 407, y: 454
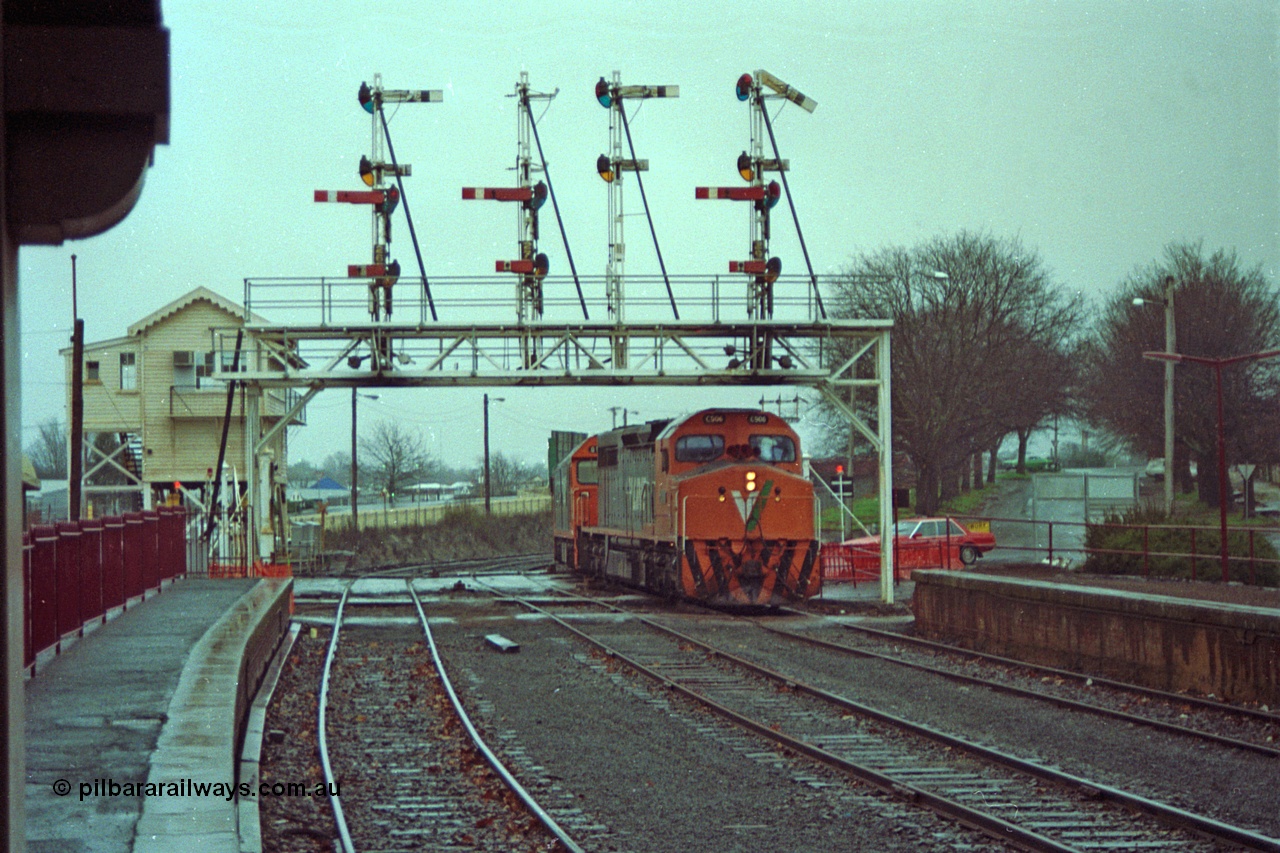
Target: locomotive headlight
x: 777, y: 494
x: 751, y: 481
x: 722, y: 494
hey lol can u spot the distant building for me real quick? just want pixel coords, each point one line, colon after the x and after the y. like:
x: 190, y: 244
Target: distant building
x: 153, y: 414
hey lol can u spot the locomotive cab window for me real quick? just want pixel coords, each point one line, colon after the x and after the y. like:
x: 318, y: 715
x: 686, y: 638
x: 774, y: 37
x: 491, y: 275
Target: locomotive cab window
x: 699, y: 448
x: 587, y: 473
x: 773, y: 448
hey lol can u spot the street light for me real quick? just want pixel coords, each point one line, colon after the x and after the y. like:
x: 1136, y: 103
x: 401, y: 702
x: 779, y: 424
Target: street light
x: 1217, y: 364
x: 355, y: 516
x: 486, y: 449
x: 1170, y: 347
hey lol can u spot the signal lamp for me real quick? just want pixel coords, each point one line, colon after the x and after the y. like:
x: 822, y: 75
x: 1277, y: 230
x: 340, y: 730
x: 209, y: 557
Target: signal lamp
x: 602, y: 93
x: 366, y: 171
x: 539, y: 196
x: 785, y: 362
x: 391, y: 199
x: 745, y: 167
x: 774, y: 194
x: 772, y: 270
x: 605, y: 167
x: 393, y: 271
x: 743, y: 87
x: 540, y: 265
x: 366, y: 98
x: 730, y: 349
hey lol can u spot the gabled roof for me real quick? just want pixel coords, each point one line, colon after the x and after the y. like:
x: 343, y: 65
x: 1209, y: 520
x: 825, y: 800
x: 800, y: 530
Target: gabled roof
x: 197, y: 295
x: 330, y: 484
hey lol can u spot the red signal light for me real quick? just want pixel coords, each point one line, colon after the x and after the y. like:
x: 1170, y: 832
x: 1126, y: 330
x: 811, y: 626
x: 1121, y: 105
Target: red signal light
x: 743, y: 87
x: 839, y: 470
x: 774, y: 194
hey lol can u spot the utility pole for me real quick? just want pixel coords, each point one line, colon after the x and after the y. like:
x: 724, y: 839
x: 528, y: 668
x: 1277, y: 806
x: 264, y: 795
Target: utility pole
x: 355, y: 516
x: 1170, y: 346
x: 75, y: 444
x: 486, y: 454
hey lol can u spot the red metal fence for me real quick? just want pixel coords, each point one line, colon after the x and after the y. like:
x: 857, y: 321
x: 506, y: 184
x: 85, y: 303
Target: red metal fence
x: 78, y: 574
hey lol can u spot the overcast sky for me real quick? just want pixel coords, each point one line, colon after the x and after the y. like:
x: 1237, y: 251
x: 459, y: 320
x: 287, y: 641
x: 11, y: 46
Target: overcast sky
x: 1095, y: 132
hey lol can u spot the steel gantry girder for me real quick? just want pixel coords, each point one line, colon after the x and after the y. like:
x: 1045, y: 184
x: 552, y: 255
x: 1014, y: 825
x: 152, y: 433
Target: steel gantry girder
x: 844, y: 360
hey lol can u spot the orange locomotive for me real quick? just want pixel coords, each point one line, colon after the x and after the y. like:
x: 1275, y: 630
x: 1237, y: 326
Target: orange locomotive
x: 713, y: 506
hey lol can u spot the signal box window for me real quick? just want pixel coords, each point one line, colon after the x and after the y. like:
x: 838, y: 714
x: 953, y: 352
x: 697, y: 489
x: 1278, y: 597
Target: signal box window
x: 699, y: 448
x: 92, y: 371
x: 128, y: 371
x: 773, y: 448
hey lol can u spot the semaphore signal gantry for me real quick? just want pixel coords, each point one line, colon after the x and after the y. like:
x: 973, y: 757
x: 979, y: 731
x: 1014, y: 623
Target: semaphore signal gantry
x: 374, y: 170
x: 762, y: 268
x: 713, y: 335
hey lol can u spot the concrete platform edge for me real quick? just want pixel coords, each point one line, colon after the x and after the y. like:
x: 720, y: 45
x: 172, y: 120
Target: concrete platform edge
x: 197, y: 745
x: 251, y: 752
x: 1230, y: 651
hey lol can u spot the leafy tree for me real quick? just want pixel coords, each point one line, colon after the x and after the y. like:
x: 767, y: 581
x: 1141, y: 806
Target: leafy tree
x: 1220, y: 310
x: 978, y: 346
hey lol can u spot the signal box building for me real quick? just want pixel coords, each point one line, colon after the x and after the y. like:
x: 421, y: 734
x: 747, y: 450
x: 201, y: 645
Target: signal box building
x: 153, y: 414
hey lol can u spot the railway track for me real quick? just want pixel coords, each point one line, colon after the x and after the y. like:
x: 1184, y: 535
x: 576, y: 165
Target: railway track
x: 1016, y: 801
x: 1186, y: 716
x: 387, y: 733
x: 479, y: 566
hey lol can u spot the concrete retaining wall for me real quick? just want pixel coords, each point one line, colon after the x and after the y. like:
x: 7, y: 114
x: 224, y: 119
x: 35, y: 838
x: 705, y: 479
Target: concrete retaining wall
x: 199, y: 742
x: 1169, y: 643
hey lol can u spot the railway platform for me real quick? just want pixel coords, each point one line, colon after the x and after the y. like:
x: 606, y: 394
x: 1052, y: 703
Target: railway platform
x: 127, y: 727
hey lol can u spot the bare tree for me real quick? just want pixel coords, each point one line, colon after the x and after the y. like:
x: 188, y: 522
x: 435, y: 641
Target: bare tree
x: 507, y: 472
x: 398, y: 455
x: 48, y: 451
x: 970, y: 313
x: 1221, y: 310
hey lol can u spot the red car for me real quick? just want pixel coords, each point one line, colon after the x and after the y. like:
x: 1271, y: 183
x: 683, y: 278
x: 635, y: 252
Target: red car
x: 922, y: 543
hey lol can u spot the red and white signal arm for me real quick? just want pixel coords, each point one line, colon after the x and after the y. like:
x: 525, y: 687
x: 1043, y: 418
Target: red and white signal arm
x: 352, y: 196
x: 753, y: 193
x: 498, y: 193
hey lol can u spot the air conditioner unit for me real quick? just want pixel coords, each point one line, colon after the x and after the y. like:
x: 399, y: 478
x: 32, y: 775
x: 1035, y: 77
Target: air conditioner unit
x: 184, y: 358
